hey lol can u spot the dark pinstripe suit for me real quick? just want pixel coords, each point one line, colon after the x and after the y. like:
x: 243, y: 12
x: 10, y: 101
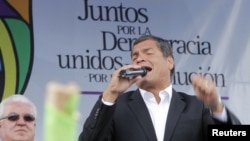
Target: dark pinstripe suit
x: 129, y: 120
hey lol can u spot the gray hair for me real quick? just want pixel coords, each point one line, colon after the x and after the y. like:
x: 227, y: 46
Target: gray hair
x: 16, y: 98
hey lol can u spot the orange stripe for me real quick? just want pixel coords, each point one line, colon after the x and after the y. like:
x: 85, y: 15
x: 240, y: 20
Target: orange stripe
x: 22, y: 6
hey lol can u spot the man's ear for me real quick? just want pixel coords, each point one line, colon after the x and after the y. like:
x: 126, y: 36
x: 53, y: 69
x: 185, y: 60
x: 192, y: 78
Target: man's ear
x: 170, y: 60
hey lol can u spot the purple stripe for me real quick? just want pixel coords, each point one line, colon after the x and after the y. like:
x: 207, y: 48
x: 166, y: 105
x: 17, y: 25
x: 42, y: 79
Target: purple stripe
x: 91, y: 92
x: 224, y: 98
x: 99, y: 93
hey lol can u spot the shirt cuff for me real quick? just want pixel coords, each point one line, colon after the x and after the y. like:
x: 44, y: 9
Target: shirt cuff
x: 222, y: 116
x: 107, y: 103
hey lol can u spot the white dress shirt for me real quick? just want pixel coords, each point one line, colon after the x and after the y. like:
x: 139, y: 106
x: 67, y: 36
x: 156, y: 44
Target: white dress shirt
x: 158, y: 111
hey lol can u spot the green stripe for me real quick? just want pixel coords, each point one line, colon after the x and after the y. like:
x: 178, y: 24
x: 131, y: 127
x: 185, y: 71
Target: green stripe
x: 21, y: 36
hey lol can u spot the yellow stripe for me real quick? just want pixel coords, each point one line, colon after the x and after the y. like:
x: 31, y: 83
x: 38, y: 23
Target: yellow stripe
x: 8, y: 61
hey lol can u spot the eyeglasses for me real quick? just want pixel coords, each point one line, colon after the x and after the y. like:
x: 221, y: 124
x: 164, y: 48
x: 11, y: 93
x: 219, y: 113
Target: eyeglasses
x: 15, y: 117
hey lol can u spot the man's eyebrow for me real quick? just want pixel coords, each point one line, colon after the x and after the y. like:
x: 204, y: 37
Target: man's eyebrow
x: 143, y: 50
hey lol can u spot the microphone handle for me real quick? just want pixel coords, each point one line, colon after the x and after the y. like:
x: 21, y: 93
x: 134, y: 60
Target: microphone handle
x: 129, y: 73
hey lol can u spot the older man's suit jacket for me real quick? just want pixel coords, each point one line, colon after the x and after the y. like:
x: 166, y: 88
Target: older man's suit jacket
x: 129, y: 120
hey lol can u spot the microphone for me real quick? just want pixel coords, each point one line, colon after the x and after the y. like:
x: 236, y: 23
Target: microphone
x: 129, y: 73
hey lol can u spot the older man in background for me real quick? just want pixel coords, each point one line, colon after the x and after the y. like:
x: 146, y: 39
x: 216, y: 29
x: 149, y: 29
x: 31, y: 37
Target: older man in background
x: 17, y: 119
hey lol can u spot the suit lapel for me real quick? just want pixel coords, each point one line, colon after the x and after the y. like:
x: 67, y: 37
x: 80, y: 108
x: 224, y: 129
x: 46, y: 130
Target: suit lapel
x: 139, y: 108
x: 176, y: 107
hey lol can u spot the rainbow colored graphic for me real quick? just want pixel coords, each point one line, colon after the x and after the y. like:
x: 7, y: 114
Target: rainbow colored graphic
x: 16, y: 46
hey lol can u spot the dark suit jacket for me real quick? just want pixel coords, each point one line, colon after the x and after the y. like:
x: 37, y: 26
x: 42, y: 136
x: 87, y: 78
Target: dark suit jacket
x: 129, y: 120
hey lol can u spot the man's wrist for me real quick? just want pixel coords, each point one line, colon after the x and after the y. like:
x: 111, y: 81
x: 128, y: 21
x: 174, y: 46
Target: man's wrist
x: 217, y: 106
